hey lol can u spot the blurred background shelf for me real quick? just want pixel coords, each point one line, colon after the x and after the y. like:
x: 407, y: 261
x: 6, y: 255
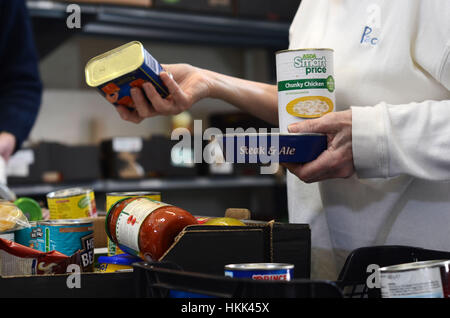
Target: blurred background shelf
x: 197, y: 183
x: 209, y: 196
x: 49, y: 18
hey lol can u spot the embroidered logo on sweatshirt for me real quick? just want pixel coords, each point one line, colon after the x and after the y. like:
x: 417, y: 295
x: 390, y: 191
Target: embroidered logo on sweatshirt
x: 370, y: 36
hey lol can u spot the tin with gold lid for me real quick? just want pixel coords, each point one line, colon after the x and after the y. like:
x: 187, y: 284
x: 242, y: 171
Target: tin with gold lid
x: 115, y: 72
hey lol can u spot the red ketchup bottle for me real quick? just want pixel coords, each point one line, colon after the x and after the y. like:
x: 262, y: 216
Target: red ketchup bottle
x: 145, y: 227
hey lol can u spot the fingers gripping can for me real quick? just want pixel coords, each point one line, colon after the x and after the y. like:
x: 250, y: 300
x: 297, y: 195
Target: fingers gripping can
x: 305, y: 85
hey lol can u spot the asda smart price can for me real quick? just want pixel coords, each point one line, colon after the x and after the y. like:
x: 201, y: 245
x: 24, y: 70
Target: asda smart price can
x: 306, y: 85
x: 260, y: 271
x: 428, y: 279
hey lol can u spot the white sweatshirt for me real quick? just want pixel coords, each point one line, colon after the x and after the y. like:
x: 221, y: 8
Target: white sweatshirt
x: 392, y: 67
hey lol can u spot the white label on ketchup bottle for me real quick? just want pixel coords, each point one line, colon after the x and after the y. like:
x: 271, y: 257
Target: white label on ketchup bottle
x: 130, y: 221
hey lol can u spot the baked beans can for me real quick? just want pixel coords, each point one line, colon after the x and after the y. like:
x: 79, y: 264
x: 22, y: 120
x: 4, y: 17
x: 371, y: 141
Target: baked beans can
x: 116, y: 72
x: 27, y: 236
x: 306, y: 85
x: 68, y: 237
x: 72, y: 203
x: 261, y: 271
x: 428, y: 279
x: 112, y: 198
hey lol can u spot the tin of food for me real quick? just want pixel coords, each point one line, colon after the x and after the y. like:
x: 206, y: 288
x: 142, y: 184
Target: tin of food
x: 122, y: 262
x: 260, y: 271
x: 428, y: 279
x: 67, y: 237
x: 113, y: 197
x: 72, y: 203
x: 272, y: 147
x: 305, y: 85
x: 28, y: 236
x: 116, y: 72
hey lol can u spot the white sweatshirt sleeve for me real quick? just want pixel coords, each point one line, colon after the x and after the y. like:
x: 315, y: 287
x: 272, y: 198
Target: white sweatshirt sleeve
x: 411, y: 139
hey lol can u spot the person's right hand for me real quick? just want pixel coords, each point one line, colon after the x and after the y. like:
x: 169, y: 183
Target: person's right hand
x: 186, y: 84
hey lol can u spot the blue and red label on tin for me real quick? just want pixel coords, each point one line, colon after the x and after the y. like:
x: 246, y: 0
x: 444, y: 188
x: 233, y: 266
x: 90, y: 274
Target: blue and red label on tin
x: 261, y: 271
x: 116, y: 72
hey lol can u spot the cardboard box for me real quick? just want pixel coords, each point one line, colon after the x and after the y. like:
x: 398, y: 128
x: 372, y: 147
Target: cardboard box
x: 207, y: 249
x: 100, y: 238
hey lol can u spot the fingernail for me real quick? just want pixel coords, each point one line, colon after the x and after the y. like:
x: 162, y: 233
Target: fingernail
x: 292, y: 128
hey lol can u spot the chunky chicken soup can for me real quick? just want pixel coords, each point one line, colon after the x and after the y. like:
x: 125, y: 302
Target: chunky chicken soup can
x: 305, y: 85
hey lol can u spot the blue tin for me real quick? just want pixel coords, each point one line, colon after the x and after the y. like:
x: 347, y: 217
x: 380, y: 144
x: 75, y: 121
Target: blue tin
x: 115, y: 72
x: 28, y: 236
x: 68, y: 236
x: 260, y: 271
x: 272, y: 147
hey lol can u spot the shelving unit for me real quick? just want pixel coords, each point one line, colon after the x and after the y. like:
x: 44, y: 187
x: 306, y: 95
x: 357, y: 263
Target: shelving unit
x: 153, y: 24
x: 196, y: 183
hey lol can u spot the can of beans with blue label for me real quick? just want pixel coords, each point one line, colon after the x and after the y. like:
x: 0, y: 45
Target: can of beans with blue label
x: 260, y: 271
x: 68, y: 237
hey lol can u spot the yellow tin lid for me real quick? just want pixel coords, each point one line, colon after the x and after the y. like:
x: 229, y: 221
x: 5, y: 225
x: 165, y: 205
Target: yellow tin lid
x: 115, y: 63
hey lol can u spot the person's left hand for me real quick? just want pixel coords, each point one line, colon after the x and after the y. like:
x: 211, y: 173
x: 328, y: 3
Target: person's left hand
x: 7, y: 145
x: 337, y: 160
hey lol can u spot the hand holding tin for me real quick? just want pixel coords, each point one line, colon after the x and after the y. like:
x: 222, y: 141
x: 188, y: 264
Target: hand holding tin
x: 186, y: 85
x: 337, y: 160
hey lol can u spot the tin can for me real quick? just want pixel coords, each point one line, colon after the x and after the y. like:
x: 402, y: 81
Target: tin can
x: 305, y: 85
x: 428, y: 279
x: 113, y: 197
x: 115, y: 72
x: 68, y: 237
x: 260, y: 271
x: 8, y: 235
x: 28, y: 235
x: 109, y: 264
x: 72, y: 203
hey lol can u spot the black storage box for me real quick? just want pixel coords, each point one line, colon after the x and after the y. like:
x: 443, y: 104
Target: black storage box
x: 54, y: 162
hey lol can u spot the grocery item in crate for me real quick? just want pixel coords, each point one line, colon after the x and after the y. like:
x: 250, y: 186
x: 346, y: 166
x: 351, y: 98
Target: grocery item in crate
x: 72, y: 203
x: 145, y: 227
x: 122, y: 262
x: 224, y: 222
x: 113, y: 197
x: 19, y: 260
x: 260, y: 271
x: 11, y: 217
x: 30, y: 208
x: 115, y: 72
x: 306, y: 87
x: 427, y: 279
x: 27, y: 236
x: 68, y: 237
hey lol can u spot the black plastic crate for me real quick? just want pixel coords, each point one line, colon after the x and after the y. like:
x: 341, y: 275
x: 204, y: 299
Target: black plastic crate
x: 354, y: 275
x: 167, y: 280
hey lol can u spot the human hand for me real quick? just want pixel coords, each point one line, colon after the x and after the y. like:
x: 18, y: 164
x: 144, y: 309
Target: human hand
x: 337, y: 160
x: 7, y: 145
x: 186, y: 84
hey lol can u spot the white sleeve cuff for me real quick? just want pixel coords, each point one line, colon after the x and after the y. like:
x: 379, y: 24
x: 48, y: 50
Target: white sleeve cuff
x: 369, y: 142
